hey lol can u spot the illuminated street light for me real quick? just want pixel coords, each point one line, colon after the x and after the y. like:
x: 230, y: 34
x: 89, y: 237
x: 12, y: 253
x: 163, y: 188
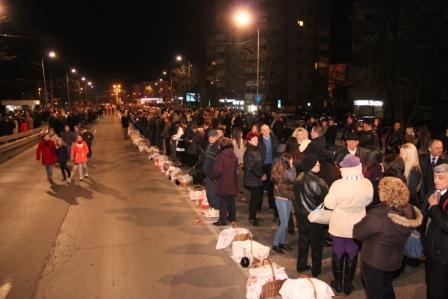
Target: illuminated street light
x: 89, y: 83
x: 160, y: 79
x: 300, y: 23
x: 73, y: 71
x: 83, y: 78
x: 164, y: 72
x: 243, y: 19
x: 179, y: 58
x: 52, y: 54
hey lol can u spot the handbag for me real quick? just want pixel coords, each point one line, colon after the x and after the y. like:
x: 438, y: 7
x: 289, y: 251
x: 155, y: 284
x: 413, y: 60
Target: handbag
x: 413, y: 247
x: 320, y: 215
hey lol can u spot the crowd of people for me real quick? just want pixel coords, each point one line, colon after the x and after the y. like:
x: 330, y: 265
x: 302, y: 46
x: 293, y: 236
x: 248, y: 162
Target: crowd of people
x: 68, y: 140
x: 378, y: 189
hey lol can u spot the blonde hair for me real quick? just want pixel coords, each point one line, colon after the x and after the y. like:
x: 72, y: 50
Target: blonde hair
x: 393, y: 192
x: 300, y: 130
x: 410, y: 159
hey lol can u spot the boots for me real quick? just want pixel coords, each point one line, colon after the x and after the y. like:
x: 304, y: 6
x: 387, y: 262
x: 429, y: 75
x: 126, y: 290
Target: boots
x: 337, y: 265
x: 350, y: 270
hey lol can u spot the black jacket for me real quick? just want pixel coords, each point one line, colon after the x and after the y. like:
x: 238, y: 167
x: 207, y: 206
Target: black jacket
x: 253, y: 167
x: 436, y: 240
x: 210, y: 156
x: 361, y: 153
x: 330, y: 135
x: 415, y: 184
x: 262, y: 148
x: 317, y: 147
x: 393, y: 141
x: 369, y: 140
x: 309, y: 192
x: 428, y: 171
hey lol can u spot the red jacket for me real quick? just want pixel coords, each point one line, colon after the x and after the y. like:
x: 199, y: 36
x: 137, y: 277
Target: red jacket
x: 79, y: 152
x: 225, y: 172
x: 47, y: 151
x: 23, y: 127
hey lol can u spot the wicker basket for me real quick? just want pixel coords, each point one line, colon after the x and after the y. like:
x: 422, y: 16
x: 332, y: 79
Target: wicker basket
x: 240, y: 237
x: 271, y: 288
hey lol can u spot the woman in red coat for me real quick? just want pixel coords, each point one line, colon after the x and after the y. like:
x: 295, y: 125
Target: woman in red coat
x: 23, y: 126
x: 46, y: 151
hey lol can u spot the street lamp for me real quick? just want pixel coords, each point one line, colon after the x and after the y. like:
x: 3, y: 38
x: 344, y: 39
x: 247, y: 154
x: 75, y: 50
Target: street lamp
x: 51, y: 55
x: 73, y: 70
x: 179, y: 58
x: 243, y: 19
x: 164, y: 73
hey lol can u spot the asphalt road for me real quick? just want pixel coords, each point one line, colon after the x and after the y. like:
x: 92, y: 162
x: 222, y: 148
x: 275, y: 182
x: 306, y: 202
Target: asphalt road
x: 125, y: 232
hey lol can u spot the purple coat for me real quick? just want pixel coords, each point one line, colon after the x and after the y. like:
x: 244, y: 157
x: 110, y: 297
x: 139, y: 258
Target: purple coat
x: 225, y: 172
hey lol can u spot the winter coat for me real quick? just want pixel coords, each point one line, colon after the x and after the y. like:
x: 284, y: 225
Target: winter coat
x: 369, y: 140
x: 68, y: 137
x: 348, y: 198
x: 309, y: 192
x: 62, y: 154
x: 225, y: 172
x: 384, y: 232
x: 46, y: 150
x: 317, y: 147
x: 361, y: 153
x: 79, y: 152
x: 210, y: 156
x: 415, y: 183
x: 428, y: 171
x: 193, y: 141
x: 124, y: 122
x: 253, y: 167
x: 23, y: 127
x: 436, y: 238
x: 283, y: 187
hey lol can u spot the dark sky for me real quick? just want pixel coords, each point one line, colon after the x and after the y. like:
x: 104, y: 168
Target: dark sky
x: 130, y: 41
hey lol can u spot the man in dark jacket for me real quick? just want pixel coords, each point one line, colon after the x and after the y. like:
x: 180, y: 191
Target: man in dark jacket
x: 436, y: 240
x: 330, y: 134
x: 317, y: 145
x: 309, y: 192
x: 352, y: 141
x: 394, y: 139
x: 429, y: 161
x: 210, y: 156
x: 268, y: 144
x: 349, y: 128
x: 225, y: 175
x: 368, y: 139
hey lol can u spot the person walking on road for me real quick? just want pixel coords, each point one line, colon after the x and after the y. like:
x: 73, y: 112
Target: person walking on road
x: 68, y: 137
x: 226, y: 181
x: 46, y: 151
x: 80, y: 149
x: 63, y: 155
x: 88, y: 137
x: 125, y: 123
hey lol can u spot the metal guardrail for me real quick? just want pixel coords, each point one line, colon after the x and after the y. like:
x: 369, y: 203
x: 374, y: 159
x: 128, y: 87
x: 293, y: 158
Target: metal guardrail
x: 11, y: 145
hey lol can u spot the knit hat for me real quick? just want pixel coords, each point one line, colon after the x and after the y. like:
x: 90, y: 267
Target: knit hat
x: 251, y: 135
x: 308, y: 162
x: 350, y: 161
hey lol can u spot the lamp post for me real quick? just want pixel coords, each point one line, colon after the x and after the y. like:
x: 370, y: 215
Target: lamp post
x: 179, y: 59
x: 244, y: 19
x: 52, y: 55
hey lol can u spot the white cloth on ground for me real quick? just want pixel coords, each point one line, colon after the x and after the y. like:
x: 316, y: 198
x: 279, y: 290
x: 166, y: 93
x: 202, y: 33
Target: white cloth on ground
x: 302, y: 288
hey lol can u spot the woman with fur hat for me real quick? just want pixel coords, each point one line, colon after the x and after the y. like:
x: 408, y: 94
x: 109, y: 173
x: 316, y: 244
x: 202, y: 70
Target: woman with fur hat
x: 348, y: 198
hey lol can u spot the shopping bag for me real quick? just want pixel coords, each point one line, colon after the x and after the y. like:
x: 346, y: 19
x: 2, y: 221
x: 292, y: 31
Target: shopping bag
x: 413, y: 247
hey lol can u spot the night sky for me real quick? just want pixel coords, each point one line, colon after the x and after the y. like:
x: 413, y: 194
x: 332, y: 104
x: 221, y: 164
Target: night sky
x: 129, y: 42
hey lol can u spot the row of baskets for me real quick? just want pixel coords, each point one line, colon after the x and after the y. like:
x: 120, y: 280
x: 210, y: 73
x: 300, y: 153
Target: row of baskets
x: 266, y: 278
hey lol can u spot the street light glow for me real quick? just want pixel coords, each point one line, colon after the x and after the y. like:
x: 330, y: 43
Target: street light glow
x: 89, y: 83
x: 52, y: 54
x: 160, y: 79
x: 83, y: 78
x: 179, y: 58
x: 73, y: 70
x: 164, y: 72
x: 300, y: 23
x: 243, y: 18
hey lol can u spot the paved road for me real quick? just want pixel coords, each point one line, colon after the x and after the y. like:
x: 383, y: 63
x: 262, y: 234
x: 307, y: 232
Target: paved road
x: 126, y: 232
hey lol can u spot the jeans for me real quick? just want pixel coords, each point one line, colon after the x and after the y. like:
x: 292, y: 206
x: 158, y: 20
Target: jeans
x: 227, y: 209
x: 256, y: 198
x: 378, y: 283
x: 284, y: 208
x: 49, y: 170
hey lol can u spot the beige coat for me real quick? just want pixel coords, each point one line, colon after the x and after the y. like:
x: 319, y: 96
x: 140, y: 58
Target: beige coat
x: 348, y: 198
